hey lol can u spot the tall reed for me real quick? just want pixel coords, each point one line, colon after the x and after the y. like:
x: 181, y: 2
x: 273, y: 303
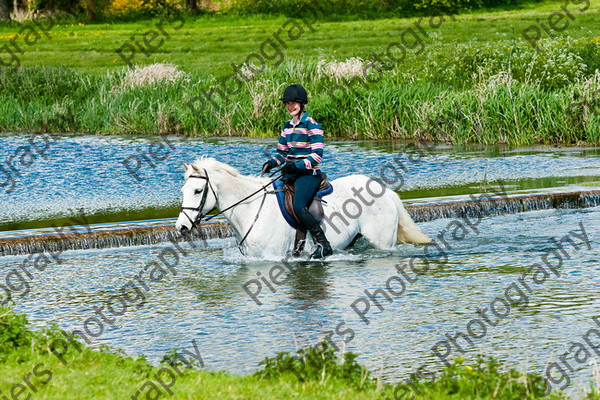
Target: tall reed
x: 504, y: 94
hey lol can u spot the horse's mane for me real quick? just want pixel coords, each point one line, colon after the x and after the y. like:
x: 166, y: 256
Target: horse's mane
x: 211, y: 164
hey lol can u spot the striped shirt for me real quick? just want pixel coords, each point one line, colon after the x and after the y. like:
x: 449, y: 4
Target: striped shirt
x: 303, y: 141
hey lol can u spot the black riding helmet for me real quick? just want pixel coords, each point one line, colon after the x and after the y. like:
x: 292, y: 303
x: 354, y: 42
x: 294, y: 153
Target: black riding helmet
x: 295, y: 93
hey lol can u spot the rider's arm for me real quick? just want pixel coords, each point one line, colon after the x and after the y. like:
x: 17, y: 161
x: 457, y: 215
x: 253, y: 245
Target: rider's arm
x: 282, y: 147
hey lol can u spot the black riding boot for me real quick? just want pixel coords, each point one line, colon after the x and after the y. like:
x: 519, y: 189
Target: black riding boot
x: 323, y: 246
x: 299, y: 242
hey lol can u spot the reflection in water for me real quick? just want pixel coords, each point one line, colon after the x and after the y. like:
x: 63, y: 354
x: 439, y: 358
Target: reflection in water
x: 309, y: 284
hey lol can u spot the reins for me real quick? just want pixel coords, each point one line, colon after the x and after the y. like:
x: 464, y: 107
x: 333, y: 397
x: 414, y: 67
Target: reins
x: 196, y: 223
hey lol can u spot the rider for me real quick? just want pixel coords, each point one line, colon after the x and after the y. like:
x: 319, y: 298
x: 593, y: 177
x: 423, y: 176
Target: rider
x: 300, y: 147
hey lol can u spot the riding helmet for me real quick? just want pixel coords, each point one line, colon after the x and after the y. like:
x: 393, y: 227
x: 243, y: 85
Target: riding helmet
x: 295, y: 92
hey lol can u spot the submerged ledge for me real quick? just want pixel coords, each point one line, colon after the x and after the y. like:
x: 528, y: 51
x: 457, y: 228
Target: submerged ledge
x: 139, y: 233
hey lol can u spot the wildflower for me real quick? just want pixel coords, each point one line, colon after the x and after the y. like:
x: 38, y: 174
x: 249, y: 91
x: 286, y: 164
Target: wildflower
x: 349, y: 68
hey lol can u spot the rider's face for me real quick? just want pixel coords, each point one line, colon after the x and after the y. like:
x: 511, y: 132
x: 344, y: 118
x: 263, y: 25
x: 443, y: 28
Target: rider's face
x: 293, y: 108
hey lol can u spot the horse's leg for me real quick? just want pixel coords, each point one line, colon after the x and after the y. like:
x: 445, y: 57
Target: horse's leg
x: 386, y: 223
x: 347, y: 215
x: 378, y: 224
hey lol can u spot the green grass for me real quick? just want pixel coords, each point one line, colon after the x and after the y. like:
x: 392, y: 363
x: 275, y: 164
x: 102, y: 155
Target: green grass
x: 477, y: 80
x: 209, y: 44
x: 313, y: 374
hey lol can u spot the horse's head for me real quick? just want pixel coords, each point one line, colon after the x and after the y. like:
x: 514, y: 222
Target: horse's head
x: 199, y: 197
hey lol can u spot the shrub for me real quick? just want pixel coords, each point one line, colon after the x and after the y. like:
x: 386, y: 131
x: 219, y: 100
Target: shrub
x: 15, y: 335
x: 13, y: 331
x: 431, y: 7
x: 140, y: 8
x: 317, y: 364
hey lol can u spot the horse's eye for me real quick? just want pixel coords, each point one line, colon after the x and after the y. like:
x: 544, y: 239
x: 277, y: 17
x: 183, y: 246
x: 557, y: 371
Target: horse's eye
x: 198, y: 191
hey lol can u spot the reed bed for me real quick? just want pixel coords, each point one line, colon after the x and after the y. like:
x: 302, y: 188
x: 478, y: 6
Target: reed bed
x: 482, y: 94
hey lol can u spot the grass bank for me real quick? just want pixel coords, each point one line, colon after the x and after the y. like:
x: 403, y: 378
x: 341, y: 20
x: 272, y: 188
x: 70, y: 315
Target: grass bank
x: 28, y: 366
x: 475, y: 79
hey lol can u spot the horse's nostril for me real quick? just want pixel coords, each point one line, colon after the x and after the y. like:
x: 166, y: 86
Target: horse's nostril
x: 184, y: 229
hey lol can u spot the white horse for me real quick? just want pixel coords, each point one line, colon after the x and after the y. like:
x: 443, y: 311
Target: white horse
x: 358, y: 205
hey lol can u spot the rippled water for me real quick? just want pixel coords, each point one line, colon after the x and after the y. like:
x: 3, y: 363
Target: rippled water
x: 204, y: 301
x: 88, y: 171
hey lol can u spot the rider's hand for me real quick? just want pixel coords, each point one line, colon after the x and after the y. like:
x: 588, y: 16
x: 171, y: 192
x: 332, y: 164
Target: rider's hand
x: 269, y: 165
x: 289, y: 168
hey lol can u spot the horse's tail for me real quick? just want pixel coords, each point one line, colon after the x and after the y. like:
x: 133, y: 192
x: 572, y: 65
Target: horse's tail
x: 408, y: 231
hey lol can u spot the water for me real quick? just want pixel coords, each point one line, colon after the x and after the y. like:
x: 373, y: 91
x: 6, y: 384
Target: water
x: 204, y: 300
x: 88, y: 172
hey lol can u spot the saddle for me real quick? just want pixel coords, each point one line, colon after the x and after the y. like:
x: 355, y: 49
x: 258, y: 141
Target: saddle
x: 285, y: 197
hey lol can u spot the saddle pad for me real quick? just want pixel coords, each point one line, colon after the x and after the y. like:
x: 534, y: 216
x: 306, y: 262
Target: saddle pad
x: 325, y: 189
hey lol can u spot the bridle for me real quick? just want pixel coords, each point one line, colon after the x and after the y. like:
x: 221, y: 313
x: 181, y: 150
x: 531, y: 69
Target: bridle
x: 199, y: 216
x: 196, y: 222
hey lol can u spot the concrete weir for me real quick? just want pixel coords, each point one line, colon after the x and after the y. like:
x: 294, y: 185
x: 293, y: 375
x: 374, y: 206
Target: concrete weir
x: 158, y: 231
x: 459, y: 206
x: 104, y: 236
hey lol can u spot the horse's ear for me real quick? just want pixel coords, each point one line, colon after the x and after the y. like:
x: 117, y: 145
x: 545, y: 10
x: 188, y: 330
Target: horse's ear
x: 185, y: 166
x: 195, y: 168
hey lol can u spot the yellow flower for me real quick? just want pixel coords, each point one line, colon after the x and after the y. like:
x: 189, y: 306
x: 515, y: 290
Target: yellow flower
x: 335, y: 51
x: 123, y: 7
x: 115, y: 60
x: 468, y: 367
